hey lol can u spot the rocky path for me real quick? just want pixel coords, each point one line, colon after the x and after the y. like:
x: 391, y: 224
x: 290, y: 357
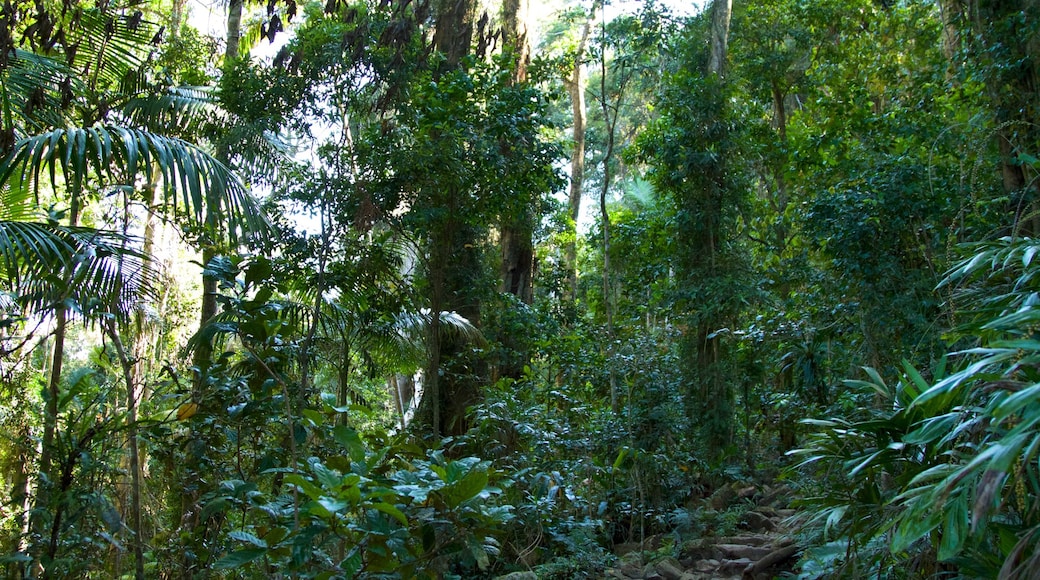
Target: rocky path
x: 762, y: 550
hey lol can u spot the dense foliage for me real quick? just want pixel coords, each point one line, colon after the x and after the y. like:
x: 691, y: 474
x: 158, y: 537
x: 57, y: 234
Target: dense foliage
x: 306, y: 296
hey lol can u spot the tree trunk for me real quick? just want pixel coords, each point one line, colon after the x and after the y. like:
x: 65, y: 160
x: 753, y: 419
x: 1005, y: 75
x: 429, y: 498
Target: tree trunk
x: 517, y: 270
x: 453, y: 34
x: 132, y: 393
x: 610, y: 117
x: 451, y: 377
x: 720, y: 16
x: 46, y: 479
x: 1007, y: 29
x: 576, y: 88
x: 234, y: 31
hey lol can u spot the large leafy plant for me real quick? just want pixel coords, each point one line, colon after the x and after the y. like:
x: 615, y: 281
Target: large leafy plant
x: 944, y: 473
x: 373, y: 512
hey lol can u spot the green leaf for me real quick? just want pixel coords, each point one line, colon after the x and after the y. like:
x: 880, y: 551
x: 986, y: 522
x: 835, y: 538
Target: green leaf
x: 237, y: 559
x: 465, y: 489
x: 328, y: 478
x: 352, y: 564
x: 243, y: 536
x: 914, y: 525
x: 391, y: 510
x: 351, y: 441
x: 955, y: 530
x: 216, y: 505
x: 316, y: 418
x: 620, y: 459
x: 312, y: 491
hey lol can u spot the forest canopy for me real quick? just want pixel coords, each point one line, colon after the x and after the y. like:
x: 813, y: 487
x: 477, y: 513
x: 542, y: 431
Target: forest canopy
x: 562, y: 289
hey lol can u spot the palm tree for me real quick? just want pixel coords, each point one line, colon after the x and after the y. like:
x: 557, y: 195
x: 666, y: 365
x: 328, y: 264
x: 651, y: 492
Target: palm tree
x: 66, y: 129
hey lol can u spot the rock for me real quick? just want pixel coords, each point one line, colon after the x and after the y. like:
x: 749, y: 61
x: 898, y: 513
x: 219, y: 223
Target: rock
x: 776, y: 497
x: 627, y: 548
x: 669, y: 569
x: 631, y: 570
x: 734, y: 567
x: 747, y: 540
x: 648, y: 545
x: 738, y: 551
x: 766, y: 511
x: 772, y: 559
x: 706, y: 565
x: 518, y: 576
x: 747, y: 492
x: 700, y: 550
x: 720, y: 499
x: 757, y: 522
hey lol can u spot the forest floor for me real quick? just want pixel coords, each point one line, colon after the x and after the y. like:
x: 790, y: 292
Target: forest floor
x: 762, y: 547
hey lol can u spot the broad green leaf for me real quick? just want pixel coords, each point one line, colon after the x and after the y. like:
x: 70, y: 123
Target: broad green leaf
x: 465, y: 489
x: 237, y: 559
x: 351, y: 441
x: 243, y: 536
x: 391, y: 510
x: 914, y: 525
x: 312, y: 491
x: 352, y: 564
x: 214, y: 506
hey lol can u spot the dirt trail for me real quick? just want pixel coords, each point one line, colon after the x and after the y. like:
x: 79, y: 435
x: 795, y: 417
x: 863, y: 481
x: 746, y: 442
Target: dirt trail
x: 762, y: 549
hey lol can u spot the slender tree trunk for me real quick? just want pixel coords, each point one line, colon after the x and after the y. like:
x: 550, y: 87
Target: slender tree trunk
x: 189, y: 512
x: 780, y: 198
x: 576, y: 89
x: 610, y: 116
x: 128, y: 367
x: 234, y: 31
x: 46, y: 479
x: 177, y: 18
x: 714, y: 393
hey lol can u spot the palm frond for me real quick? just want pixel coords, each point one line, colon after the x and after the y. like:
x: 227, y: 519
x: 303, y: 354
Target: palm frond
x: 109, y: 47
x: 39, y: 89
x: 195, y: 184
x: 178, y: 110
x: 93, y: 270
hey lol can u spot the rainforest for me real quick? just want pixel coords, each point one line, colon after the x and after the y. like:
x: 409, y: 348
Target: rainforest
x: 520, y: 289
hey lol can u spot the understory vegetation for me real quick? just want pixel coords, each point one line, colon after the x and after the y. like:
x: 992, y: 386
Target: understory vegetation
x: 450, y: 289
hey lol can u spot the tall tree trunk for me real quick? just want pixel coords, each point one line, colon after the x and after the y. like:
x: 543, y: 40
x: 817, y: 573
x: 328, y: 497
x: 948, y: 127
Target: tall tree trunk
x: 46, y: 479
x: 453, y: 35
x: 132, y: 393
x: 714, y: 405
x: 177, y: 18
x: 780, y: 197
x: 193, y: 485
x: 1007, y: 29
x: 720, y: 16
x: 610, y: 117
x: 454, y: 267
x: 234, y: 31
x: 576, y: 89
x: 517, y: 270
